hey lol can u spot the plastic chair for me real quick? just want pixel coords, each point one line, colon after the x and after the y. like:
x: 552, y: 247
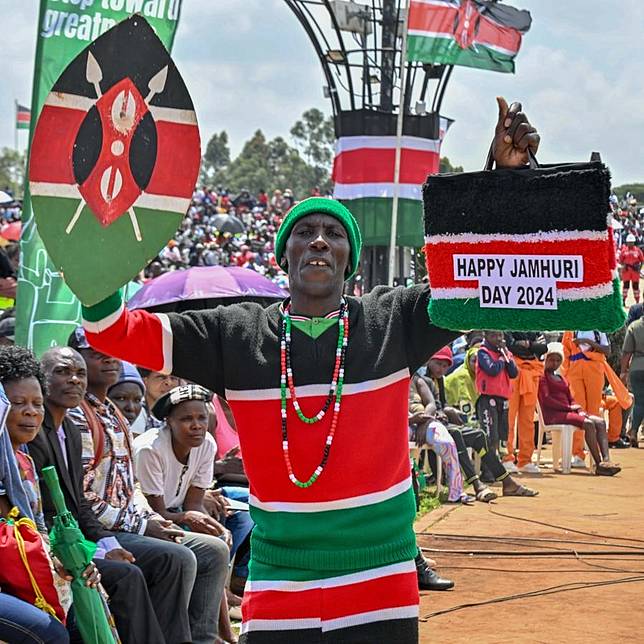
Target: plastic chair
x: 561, y: 443
x: 415, y: 453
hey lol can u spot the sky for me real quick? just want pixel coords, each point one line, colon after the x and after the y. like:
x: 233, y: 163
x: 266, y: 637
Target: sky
x: 248, y: 64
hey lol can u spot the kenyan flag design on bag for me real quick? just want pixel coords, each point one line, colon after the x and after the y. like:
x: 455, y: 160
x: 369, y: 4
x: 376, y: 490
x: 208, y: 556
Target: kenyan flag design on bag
x: 522, y: 250
x: 114, y: 160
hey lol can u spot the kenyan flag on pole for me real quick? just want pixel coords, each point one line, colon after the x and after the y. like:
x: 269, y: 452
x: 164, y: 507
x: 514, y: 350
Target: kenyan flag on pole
x: 472, y: 33
x: 23, y: 117
x: 363, y: 173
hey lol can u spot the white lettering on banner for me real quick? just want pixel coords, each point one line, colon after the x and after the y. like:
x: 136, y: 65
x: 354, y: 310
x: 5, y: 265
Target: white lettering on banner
x: 526, y: 294
x: 559, y: 268
x: 518, y: 281
x: 88, y: 27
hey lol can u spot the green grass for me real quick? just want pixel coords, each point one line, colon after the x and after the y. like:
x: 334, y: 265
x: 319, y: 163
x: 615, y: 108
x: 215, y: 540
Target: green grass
x: 429, y: 501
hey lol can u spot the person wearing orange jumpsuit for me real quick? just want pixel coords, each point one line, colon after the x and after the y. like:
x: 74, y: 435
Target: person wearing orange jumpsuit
x: 630, y: 259
x: 616, y: 420
x: 527, y: 349
x: 586, y: 368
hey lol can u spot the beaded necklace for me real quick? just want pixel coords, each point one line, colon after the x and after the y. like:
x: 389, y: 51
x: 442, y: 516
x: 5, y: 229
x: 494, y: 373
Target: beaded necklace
x: 335, y: 390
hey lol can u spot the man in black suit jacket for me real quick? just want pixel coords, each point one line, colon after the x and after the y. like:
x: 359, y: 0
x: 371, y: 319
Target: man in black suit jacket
x: 143, y: 585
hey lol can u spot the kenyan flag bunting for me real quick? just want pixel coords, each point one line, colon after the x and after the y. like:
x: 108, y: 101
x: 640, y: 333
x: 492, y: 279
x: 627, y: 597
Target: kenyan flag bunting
x: 522, y: 250
x: 474, y: 33
x: 363, y: 173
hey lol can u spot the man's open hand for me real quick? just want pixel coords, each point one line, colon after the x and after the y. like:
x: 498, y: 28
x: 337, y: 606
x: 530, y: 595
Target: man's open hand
x: 513, y: 136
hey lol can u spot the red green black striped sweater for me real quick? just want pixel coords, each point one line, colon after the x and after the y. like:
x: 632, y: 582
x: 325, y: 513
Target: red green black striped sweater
x: 360, y: 512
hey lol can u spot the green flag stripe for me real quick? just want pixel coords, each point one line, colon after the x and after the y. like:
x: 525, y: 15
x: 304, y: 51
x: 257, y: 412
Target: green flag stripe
x: 445, y: 51
x: 334, y: 528
x: 373, y: 215
x: 603, y: 313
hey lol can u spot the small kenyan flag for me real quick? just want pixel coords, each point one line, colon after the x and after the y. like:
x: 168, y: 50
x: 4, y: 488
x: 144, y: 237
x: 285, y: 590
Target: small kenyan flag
x: 522, y: 250
x: 23, y: 117
x: 474, y: 33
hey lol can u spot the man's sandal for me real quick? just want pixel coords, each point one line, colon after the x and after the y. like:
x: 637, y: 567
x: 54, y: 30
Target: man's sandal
x: 521, y: 490
x: 486, y: 495
x: 607, y: 469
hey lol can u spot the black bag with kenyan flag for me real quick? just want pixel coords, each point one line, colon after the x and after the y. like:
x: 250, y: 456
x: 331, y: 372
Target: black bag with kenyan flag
x: 522, y: 249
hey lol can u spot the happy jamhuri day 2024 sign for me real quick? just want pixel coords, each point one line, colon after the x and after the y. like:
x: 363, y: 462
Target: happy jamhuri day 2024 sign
x: 523, y: 250
x: 517, y: 281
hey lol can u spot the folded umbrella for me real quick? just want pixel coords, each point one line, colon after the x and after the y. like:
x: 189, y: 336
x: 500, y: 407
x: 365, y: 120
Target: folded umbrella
x: 75, y: 553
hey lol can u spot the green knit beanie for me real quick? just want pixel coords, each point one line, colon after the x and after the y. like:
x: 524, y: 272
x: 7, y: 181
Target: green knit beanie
x: 326, y: 207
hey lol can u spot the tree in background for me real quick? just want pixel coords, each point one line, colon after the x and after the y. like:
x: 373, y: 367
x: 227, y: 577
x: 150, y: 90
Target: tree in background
x: 446, y: 166
x: 266, y: 164
x: 216, y: 157
x: 12, y: 171
x: 314, y: 137
x: 636, y: 189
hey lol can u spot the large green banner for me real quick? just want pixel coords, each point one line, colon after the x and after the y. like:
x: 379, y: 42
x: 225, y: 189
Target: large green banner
x: 46, y: 310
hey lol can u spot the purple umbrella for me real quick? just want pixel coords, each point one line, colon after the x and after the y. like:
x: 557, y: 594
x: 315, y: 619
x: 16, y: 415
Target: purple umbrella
x: 205, y: 287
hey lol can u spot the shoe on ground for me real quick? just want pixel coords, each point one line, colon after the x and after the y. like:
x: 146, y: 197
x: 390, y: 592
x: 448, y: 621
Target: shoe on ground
x: 578, y: 462
x: 510, y: 467
x: 619, y: 444
x: 428, y: 579
x: 530, y: 468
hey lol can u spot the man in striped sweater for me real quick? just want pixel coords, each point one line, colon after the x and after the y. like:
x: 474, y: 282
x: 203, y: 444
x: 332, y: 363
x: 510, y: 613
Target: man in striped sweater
x: 333, y: 549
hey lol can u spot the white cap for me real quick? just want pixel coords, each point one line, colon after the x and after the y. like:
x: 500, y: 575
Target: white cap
x: 556, y: 348
x: 630, y: 238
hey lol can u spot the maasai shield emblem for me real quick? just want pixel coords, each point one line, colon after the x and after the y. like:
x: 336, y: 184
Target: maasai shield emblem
x: 114, y: 160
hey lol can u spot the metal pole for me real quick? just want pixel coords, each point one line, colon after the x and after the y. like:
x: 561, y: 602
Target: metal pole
x: 388, y: 55
x: 15, y: 126
x: 399, y: 131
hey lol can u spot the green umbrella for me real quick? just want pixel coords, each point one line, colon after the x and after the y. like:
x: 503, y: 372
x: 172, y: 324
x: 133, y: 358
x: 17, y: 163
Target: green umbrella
x: 75, y: 553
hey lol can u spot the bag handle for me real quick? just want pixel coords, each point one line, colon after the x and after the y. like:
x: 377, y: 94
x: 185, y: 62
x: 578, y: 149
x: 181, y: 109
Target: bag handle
x: 489, y: 162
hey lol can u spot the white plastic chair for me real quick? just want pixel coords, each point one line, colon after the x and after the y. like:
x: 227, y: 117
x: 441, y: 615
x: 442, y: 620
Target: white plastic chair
x: 561, y: 443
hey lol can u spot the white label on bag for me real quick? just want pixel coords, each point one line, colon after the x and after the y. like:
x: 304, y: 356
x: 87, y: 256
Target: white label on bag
x: 518, y: 281
x: 510, y: 268
x: 513, y: 294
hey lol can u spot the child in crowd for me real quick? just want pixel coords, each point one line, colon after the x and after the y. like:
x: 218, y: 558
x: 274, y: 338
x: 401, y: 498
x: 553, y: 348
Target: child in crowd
x: 495, y: 368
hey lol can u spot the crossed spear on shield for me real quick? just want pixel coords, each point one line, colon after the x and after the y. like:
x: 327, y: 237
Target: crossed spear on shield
x: 94, y: 76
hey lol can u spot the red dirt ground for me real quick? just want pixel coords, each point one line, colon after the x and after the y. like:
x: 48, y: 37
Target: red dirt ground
x: 613, y: 507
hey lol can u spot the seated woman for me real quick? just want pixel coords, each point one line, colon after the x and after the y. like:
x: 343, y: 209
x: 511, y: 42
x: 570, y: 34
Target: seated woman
x: 174, y: 465
x: 558, y: 408
x: 22, y: 381
x: 422, y: 417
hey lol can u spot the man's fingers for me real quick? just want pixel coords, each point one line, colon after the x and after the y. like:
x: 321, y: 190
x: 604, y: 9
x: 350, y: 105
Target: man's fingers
x: 172, y: 534
x: 512, y: 113
x: 534, y: 141
x: 503, y: 110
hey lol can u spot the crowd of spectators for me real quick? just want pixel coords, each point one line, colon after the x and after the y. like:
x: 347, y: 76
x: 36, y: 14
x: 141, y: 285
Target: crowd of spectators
x: 221, y: 229
x: 165, y: 503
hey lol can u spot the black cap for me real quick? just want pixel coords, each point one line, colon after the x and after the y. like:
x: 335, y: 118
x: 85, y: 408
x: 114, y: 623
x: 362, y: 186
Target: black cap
x: 178, y: 395
x: 77, y: 340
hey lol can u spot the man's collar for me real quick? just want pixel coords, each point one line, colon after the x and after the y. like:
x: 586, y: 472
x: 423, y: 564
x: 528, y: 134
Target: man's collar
x: 296, y: 317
